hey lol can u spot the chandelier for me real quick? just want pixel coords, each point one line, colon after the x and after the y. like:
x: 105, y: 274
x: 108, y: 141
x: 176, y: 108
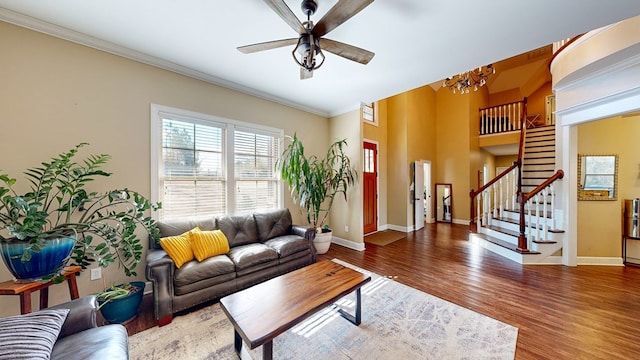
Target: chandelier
x: 473, y: 78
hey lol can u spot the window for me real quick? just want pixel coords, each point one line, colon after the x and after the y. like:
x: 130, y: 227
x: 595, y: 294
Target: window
x: 255, y: 158
x: 205, y: 165
x: 368, y: 113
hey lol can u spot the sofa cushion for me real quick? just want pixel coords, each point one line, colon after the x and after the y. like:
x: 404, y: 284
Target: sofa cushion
x: 175, y: 227
x: 272, y: 223
x: 239, y: 229
x: 194, y: 271
x: 206, y: 244
x: 30, y: 336
x: 104, y: 342
x: 288, y: 244
x: 250, y: 255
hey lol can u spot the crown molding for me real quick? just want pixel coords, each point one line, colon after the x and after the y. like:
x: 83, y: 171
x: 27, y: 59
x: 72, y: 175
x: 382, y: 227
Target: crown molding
x: 44, y: 27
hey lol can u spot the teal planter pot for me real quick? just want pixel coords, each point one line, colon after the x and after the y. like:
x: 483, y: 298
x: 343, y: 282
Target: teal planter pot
x: 117, y: 311
x: 48, y: 261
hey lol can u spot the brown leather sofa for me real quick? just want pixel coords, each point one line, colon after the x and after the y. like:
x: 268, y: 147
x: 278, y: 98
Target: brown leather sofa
x: 262, y: 245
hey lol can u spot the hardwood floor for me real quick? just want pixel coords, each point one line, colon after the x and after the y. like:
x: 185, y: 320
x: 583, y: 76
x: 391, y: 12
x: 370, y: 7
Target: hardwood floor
x: 584, y: 312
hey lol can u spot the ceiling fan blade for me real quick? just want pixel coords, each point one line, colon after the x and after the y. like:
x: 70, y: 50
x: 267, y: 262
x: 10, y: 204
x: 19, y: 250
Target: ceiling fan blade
x: 305, y: 74
x: 248, y: 49
x: 347, y: 51
x: 339, y: 13
x: 286, y: 14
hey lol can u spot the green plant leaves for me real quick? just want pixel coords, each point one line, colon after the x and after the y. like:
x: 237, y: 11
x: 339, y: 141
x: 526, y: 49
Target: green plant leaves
x: 315, y: 182
x: 58, y: 203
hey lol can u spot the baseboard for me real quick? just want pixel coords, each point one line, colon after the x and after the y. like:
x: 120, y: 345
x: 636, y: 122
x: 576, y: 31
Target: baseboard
x: 403, y: 229
x: 348, y: 244
x: 608, y: 261
x: 461, y: 221
x: 383, y: 227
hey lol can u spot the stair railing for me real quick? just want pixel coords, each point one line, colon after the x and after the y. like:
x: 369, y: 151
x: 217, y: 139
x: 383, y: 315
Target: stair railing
x: 494, y: 197
x: 537, y: 207
x: 508, y: 184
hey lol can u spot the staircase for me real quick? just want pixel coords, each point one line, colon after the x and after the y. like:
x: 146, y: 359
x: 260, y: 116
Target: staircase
x: 499, y: 227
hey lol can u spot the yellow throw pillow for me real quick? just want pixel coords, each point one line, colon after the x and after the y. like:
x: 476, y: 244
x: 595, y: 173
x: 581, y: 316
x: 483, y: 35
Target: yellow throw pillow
x: 206, y: 244
x: 178, y: 247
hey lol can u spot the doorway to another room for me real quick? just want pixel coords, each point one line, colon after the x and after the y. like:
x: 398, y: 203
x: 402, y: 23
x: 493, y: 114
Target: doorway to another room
x: 370, y: 187
x: 422, y: 194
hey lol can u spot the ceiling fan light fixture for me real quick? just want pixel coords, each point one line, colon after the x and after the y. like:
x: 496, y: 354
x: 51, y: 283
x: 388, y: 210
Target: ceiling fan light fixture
x: 308, y: 49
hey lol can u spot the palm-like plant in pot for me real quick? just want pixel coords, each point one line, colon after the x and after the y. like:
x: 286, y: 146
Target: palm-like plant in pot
x: 58, y: 219
x: 315, y: 182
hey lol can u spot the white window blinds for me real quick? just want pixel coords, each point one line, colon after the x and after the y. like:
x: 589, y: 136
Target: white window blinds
x: 192, y: 181
x: 209, y: 166
x: 256, y: 184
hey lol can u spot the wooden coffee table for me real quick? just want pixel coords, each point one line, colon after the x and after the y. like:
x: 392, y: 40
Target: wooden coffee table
x: 264, y: 311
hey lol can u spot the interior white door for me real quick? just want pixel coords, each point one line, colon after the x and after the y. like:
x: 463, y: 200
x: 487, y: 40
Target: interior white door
x: 428, y: 207
x: 418, y: 194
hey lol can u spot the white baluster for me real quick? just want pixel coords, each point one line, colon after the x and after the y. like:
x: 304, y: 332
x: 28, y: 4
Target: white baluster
x: 553, y: 206
x: 537, y: 222
x: 545, y: 224
x: 496, y: 188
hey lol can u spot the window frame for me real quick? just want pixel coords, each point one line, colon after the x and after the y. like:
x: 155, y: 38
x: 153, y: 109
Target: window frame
x: 158, y: 112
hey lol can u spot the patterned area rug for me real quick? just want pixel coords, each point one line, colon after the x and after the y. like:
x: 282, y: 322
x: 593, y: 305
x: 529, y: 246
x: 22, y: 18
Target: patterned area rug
x: 398, y: 322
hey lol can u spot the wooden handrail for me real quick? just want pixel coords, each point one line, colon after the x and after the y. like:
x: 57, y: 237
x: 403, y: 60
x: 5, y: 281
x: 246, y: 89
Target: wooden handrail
x: 555, y: 54
x: 493, y: 181
x: 505, y: 104
x: 523, y: 128
x: 558, y: 175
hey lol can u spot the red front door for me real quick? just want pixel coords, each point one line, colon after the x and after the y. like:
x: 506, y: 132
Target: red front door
x: 370, y: 175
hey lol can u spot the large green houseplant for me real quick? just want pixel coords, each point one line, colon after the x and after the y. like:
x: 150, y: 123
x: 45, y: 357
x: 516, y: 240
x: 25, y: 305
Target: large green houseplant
x: 315, y: 182
x: 59, y: 206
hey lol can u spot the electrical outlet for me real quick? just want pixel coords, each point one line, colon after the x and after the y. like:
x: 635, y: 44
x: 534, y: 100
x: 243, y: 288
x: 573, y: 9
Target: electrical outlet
x: 96, y: 273
x: 346, y: 228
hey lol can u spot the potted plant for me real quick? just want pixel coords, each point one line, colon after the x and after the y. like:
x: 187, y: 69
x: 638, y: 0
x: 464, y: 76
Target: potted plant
x: 314, y: 183
x: 59, y: 219
x: 120, y: 303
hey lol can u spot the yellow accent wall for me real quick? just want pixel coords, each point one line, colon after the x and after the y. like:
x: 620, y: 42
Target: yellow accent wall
x: 398, y: 168
x: 56, y: 93
x: 600, y: 222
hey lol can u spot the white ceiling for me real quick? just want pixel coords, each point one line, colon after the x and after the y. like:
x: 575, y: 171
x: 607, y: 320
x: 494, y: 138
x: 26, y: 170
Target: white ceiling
x: 416, y: 42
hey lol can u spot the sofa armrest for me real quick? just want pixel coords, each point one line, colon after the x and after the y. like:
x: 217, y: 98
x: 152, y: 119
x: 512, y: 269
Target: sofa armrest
x: 306, y: 232
x: 82, y: 315
x: 160, y: 271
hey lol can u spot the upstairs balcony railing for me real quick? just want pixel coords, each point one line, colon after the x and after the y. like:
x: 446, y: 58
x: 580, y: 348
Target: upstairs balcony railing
x: 502, y: 118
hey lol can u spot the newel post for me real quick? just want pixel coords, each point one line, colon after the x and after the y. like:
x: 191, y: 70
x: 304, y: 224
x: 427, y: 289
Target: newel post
x: 522, y: 238
x: 473, y: 226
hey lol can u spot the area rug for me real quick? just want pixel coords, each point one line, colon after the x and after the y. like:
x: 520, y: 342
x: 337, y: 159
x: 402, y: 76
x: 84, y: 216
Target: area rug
x: 382, y: 238
x: 398, y: 322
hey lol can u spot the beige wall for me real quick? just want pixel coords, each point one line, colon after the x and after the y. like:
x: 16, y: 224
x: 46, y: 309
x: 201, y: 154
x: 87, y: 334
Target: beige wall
x: 55, y: 94
x: 600, y: 222
x: 346, y: 217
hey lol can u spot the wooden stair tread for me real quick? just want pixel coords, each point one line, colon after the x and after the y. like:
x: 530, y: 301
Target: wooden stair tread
x: 504, y: 244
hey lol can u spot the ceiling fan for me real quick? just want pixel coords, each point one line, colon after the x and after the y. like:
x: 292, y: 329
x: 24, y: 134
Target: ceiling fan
x: 310, y: 44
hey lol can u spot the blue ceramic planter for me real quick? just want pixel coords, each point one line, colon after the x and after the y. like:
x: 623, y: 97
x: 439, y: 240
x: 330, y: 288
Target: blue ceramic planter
x: 50, y: 260
x: 120, y: 310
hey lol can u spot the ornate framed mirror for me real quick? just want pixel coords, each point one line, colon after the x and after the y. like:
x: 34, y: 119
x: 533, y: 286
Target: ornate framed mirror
x: 597, y: 177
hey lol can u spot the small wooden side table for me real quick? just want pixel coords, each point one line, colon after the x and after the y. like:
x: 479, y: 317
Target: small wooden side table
x: 25, y: 289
